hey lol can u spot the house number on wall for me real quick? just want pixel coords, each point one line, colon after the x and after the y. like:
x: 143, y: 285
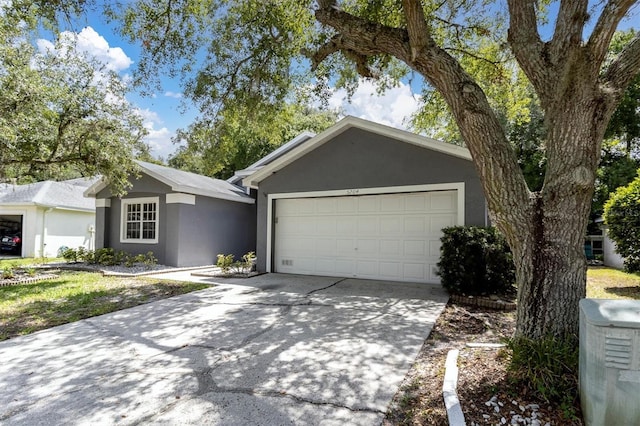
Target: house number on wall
x: 352, y: 191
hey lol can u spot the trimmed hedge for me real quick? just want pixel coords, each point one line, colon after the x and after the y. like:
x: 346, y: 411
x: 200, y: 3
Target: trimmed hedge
x: 475, y: 260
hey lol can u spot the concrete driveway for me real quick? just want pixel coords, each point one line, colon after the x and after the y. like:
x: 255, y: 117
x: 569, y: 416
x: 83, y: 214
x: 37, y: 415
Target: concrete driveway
x: 270, y: 350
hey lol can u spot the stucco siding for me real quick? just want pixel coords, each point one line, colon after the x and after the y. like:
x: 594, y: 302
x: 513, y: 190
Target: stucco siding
x: 360, y: 159
x: 67, y: 228
x: 188, y: 234
x: 208, y: 228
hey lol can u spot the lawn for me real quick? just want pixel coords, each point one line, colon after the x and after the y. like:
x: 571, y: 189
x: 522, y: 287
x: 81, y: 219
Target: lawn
x: 607, y: 283
x: 26, y: 308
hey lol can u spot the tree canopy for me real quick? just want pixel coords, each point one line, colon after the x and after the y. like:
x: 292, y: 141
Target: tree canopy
x: 62, y: 113
x: 236, y: 138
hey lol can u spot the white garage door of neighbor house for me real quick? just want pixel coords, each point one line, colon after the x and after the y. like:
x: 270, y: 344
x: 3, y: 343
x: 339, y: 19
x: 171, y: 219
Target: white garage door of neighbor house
x: 385, y: 237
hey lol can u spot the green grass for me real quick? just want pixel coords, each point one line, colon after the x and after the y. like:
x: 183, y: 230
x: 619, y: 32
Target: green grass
x: 26, y: 308
x: 608, y: 283
x: 27, y: 261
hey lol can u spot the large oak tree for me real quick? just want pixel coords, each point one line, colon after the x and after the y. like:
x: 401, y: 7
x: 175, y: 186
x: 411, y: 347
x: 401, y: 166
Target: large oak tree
x: 63, y: 113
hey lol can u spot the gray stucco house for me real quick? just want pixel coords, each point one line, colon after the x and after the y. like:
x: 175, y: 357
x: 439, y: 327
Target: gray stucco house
x: 362, y: 200
x: 185, y: 219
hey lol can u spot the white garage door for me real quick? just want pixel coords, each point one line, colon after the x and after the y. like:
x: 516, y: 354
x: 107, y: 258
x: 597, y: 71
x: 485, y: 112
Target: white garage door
x: 385, y: 237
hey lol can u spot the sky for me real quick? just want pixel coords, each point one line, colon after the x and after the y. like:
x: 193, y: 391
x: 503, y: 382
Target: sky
x: 167, y: 111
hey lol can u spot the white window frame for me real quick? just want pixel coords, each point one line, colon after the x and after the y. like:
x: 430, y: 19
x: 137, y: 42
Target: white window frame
x: 123, y: 220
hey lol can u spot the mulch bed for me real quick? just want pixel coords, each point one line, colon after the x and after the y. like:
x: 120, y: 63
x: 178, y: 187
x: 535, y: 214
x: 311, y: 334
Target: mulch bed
x: 485, y: 393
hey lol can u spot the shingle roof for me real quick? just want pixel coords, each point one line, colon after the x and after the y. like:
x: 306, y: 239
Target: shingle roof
x: 186, y: 182
x: 66, y: 194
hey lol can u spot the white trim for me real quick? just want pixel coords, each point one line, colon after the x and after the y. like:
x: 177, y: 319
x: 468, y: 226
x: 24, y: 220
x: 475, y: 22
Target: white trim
x: 204, y: 192
x: 181, y: 198
x: 103, y: 202
x: 123, y: 212
x: 343, y: 125
x: 354, y: 192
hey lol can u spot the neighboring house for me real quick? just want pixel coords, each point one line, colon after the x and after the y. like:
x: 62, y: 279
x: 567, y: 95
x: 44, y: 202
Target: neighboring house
x: 185, y: 219
x: 48, y: 215
x: 362, y: 200
x: 611, y: 256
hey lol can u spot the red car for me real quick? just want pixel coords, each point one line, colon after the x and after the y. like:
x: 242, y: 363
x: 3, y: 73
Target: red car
x: 11, y: 243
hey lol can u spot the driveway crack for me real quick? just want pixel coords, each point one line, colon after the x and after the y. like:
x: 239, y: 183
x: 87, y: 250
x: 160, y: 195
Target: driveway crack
x: 324, y: 288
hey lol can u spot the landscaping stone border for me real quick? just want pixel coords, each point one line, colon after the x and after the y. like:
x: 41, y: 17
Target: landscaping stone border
x: 27, y: 280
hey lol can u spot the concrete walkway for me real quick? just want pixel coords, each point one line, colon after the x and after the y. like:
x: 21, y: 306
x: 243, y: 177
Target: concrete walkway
x: 270, y: 350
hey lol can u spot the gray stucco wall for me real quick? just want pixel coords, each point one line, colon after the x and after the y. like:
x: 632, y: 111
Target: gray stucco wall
x: 188, y: 235
x: 360, y: 159
x: 208, y: 228
x: 144, y: 187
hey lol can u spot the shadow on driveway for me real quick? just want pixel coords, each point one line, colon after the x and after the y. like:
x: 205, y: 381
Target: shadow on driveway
x: 275, y: 349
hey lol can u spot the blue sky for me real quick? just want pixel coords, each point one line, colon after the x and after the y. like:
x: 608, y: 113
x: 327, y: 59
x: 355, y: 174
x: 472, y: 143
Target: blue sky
x: 164, y: 112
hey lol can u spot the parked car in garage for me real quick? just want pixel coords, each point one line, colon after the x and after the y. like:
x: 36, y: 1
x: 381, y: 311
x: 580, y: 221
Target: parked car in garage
x: 11, y: 243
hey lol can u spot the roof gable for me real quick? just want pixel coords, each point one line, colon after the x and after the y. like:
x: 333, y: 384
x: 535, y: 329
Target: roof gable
x: 185, y: 182
x: 346, y: 123
x: 239, y: 175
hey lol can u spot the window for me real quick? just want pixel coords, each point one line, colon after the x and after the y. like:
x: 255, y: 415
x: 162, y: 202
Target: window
x: 140, y: 220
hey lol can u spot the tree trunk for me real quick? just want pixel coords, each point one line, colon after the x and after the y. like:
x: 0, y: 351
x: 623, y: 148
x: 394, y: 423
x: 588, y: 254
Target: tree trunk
x: 550, y: 268
x: 549, y: 248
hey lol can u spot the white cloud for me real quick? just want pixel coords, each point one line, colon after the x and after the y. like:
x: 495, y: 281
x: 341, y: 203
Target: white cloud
x: 159, y: 141
x: 393, y: 107
x: 90, y: 42
x: 175, y: 95
x: 159, y: 136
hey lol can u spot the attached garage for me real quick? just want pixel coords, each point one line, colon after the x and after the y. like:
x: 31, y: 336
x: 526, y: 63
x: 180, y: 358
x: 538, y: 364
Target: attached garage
x: 364, y: 200
x: 380, y: 236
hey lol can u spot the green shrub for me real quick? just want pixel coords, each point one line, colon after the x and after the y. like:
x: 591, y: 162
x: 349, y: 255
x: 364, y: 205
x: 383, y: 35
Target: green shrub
x: 70, y: 255
x: 7, y: 272
x: 475, y: 260
x: 228, y: 266
x: 549, y: 367
x: 149, y: 259
x: 225, y: 262
x: 622, y: 216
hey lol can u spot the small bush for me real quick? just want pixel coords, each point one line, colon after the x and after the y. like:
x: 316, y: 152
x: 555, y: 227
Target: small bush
x: 228, y: 266
x: 7, y: 272
x: 622, y: 216
x: 475, y: 260
x: 225, y: 262
x: 108, y: 257
x: 149, y: 259
x: 549, y: 367
x: 70, y: 255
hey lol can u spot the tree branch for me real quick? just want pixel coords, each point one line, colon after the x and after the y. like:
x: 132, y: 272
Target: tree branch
x: 417, y: 28
x: 567, y: 34
x: 625, y: 67
x: 606, y: 26
x: 526, y: 44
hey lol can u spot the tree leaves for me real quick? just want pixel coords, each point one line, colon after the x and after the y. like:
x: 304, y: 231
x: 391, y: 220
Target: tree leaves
x: 62, y: 114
